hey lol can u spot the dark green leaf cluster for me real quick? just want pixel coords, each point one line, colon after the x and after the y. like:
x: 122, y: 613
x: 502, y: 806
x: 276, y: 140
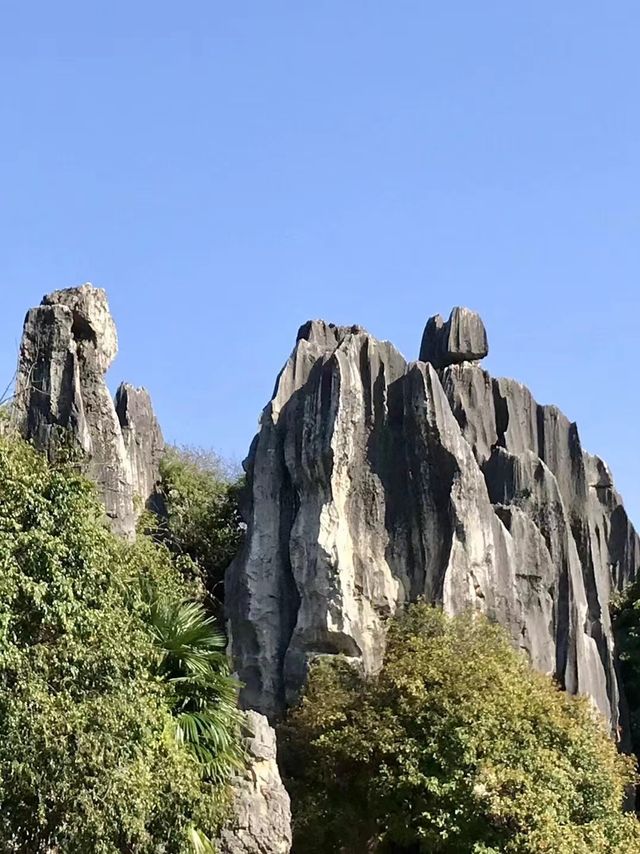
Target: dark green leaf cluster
x: 202, y: 520
x: 626, y: 623
x: 89, y: 759
x: 192, y: 660
x: 455, y: 747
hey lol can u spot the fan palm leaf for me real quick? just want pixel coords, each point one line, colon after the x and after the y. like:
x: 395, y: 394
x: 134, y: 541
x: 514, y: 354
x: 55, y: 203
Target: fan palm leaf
x: 192, y: 660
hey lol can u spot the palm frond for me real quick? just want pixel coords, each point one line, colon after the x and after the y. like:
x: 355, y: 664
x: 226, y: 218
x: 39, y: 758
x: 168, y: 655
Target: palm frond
x: 200, y: 844
x: 191, y: 659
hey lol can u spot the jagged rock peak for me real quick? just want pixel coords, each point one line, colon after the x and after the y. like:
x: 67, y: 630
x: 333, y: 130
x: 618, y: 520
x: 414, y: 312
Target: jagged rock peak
x: 142, y: 436
x: 61, y: 400
x: 374, y: 482
x: 93, y: 328
x: 260, y: 812
x: 463, y: 338
x: 325, y: 334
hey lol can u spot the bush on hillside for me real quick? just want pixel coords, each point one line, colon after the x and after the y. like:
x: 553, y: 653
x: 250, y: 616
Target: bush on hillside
x: 456, y: 747
x: 626, y: 624
x: 202, y: 522
x: 90, y: 758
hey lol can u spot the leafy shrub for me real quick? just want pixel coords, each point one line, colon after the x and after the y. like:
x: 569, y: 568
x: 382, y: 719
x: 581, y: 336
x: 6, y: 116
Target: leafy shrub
x: 193, y: 661
x: 200, y: 498
x: 89, y: 759
x: 456, y: 746
x: 626, y: 622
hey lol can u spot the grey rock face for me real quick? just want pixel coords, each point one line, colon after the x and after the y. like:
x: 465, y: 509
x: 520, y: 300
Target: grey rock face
x: 462, y: 338
x: 374, y: 482
x: 62, y: 400
x: 260, y: 820
x: 142, y: 437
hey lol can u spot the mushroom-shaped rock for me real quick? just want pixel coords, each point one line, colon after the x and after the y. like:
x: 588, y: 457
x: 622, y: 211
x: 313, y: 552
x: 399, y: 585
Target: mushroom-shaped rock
x: 462, y: 338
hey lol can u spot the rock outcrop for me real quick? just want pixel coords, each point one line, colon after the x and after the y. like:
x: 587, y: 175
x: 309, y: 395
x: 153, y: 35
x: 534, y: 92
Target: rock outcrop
x: 462, y: 338
x: 374, y: 481
x: 62, y: 401
x: 260, y: 821
x: 143, y: 439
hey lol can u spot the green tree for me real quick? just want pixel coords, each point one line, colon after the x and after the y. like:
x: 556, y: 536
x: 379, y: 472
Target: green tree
x: 456, y: 747
x: 89, y: 759
x: 192, y: 660
x: 201, y: 516
x: 625, y: 612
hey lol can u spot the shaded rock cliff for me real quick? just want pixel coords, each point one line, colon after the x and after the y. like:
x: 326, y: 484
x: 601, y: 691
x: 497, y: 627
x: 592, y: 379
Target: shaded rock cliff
x: 62, y: 401
x: 374, y: 481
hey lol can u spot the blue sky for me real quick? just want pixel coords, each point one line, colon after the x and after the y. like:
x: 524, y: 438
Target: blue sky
x: 228, y: 170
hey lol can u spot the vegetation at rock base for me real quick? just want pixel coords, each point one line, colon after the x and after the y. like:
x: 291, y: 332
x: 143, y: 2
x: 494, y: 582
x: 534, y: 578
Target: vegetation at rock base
x: 625, y: 611
x: 93, y: 754
x: 456, y: 747
x: 200, y: 497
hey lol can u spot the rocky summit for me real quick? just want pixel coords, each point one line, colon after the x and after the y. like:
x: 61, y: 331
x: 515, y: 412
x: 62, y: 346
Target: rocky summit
x: 62, y: 401
x: 374, y: 482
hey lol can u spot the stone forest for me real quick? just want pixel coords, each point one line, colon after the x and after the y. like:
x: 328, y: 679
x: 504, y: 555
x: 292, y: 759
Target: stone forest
x: 421, y: 628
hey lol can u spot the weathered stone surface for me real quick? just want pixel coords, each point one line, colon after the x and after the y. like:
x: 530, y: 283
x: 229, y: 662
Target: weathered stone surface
x: 469, y: 391
x: 143, y: 439
x: 462, y: 338
x: 62, y: 400
x: 374, y: 482
x: 260, y: 820
x: 93, y: 329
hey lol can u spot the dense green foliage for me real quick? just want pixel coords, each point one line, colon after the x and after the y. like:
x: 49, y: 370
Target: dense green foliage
x: 457, y: 746
x: 626, y: 622
x: 193, y: 662
x: 90, y: 760
x: 200, y: 497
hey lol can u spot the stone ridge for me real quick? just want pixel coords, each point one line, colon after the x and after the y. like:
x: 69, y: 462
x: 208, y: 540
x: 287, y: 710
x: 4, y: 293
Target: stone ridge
x: 62, y: 401
x: 373, y: 481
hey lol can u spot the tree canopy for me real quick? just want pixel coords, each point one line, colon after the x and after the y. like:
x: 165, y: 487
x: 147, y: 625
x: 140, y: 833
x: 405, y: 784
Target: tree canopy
x: 89, y: 756
x: 201, y: 519
x: 457, y: 746
x: 626, y: 623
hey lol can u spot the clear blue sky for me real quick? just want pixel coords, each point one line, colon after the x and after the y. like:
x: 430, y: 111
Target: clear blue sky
x: 228, y: 170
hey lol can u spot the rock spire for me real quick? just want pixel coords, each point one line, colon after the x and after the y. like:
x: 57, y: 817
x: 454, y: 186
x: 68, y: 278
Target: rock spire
x: 62, y: 401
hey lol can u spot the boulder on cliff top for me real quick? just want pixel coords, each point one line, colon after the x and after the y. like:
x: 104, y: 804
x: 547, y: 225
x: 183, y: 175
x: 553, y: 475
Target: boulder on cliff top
x: 463, y: 338
x: 93, y: 328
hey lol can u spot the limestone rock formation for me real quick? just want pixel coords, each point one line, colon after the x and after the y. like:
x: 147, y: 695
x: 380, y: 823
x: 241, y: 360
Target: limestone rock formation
x: 462, y: 338
x: 374, y: 481
x: 62, y: 400
x: 260, y: 820
x: 142, y: 437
